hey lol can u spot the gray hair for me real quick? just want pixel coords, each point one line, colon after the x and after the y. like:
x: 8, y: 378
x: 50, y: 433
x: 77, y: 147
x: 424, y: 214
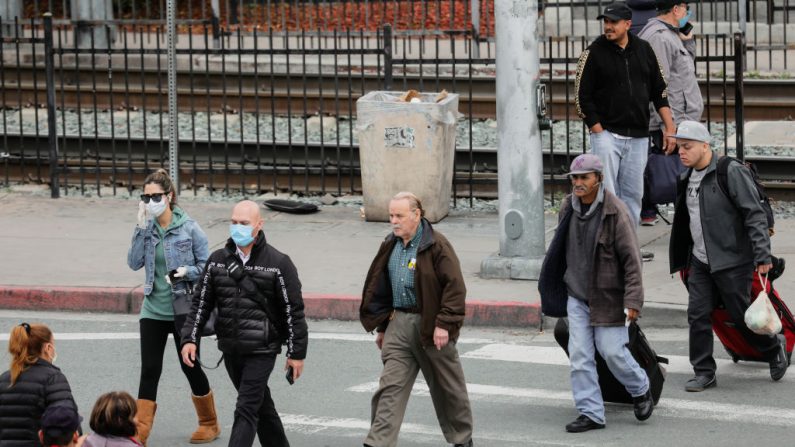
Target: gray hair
x: 414, y: 201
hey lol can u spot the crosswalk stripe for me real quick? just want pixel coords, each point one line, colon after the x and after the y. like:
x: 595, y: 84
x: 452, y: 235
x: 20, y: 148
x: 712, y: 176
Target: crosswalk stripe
x: 357, y: 428
x: 553, y: 355
x: 669, y: 407
x: 339, y: 336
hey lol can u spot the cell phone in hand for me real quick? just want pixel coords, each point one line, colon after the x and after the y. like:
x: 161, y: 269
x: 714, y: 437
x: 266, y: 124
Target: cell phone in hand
x: 289, y: 375
x: 172, y: 276
x: 686, y: 29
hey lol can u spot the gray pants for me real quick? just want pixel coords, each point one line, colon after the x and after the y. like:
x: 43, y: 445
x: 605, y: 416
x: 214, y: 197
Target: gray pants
x: 403, y: 356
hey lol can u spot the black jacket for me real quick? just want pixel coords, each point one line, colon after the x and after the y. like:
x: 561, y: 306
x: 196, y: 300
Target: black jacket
x: 735, y: 228
x: 614, y: 86
x: 257, y: 313
x: 22, y: 405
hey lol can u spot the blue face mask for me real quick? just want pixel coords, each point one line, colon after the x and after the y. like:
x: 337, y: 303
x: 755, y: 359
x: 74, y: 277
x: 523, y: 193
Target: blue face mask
x: 683, y: 21
x: 241, y: 234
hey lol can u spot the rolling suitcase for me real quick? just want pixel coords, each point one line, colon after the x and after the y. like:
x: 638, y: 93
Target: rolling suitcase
x: 612, y: 389
x: 731, y: 339
x: 734, y: 343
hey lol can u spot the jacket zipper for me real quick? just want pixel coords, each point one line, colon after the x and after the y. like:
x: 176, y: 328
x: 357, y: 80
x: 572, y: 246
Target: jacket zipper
x: 629, y: 79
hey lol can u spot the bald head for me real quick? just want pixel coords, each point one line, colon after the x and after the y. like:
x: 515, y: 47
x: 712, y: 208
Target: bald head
x: 247, y: 213
x: 247, y: 209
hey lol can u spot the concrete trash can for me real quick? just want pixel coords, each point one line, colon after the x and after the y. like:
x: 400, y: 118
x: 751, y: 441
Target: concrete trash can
x: 406, y: 146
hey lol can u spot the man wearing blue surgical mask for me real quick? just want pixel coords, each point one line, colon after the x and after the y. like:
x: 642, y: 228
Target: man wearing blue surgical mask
x: 260, y: 308
x: 671, y: 37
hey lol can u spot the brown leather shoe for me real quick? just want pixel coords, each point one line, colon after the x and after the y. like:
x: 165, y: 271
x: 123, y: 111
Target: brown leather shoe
x: 208, y: 430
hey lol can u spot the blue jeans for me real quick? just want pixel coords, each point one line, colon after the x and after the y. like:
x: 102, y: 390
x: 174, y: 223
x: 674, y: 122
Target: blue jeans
x: 624, y: 161
x: 611, y: 342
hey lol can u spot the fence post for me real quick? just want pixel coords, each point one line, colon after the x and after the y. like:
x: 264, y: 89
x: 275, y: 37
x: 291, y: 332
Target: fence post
x: 387, y: 57
x: 52, y: 130
x: 739, y: 93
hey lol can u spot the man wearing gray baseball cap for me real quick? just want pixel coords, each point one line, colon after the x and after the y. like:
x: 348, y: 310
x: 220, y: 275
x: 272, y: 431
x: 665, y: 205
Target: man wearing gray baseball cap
x: 719, y: 238
x: 601, y: 281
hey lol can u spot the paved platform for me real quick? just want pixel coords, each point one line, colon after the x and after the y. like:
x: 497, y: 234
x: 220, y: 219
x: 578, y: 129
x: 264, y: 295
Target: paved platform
x: 70, y: 254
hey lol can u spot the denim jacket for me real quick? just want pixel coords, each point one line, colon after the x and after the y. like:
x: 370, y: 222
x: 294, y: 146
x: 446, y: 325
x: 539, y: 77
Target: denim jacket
x: 184, y: 245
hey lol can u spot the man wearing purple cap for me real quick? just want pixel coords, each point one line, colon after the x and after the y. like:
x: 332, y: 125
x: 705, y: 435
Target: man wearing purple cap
x: 617, y: 76
x: 597, y: 246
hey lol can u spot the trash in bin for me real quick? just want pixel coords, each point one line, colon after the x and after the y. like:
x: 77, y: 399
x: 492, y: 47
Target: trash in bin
x: 405, y: 145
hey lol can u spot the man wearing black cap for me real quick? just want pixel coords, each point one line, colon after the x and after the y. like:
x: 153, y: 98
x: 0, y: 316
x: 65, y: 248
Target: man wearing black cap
x: 617, y: 76
x: 60, y: 425
x: 675, y: 47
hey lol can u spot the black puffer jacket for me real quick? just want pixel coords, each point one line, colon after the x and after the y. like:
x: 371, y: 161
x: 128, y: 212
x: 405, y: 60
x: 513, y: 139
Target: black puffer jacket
x: 22, y: 405
x: 256, y: 314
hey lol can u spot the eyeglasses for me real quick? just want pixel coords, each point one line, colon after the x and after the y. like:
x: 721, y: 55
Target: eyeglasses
x: 156, y: 197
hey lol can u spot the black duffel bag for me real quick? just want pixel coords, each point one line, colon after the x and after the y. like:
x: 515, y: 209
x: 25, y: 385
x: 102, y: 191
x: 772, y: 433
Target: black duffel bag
x: 612, y: 389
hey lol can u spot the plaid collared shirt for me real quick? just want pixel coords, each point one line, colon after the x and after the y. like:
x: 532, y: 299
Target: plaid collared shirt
x: 402, y: 264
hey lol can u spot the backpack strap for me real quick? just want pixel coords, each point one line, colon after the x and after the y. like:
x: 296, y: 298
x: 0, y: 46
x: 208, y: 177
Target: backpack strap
x: 723, y: 173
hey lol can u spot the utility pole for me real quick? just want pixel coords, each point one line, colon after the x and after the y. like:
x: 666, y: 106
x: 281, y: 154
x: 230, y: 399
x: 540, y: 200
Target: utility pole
x: 173, y: 125
x: 519, y: 164
x: 86, y: 14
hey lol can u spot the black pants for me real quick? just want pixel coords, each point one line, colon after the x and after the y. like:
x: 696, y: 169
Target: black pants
x: 254, y: 410
x: 154, y: 335
x: 732, y: 287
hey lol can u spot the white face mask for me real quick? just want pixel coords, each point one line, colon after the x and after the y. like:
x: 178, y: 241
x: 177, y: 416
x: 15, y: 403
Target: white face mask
x: 157, y: 208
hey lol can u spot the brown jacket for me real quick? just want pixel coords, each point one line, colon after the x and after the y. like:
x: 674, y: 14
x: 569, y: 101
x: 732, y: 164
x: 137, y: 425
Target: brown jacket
x: 438, y: 283
x: 616, y: 279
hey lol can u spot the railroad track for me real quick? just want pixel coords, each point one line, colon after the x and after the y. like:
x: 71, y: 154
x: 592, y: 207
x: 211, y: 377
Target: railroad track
x: 282, y: 166
x: 311, y: 94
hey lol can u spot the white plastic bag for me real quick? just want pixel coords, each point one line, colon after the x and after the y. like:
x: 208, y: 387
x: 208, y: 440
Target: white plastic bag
x: 761, y: 317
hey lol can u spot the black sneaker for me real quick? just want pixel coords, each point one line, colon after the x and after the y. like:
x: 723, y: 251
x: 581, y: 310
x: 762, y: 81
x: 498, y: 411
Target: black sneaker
x: 700, y: 383
x: 778, y: 367
x: 466, y: 444
x: 646, y: 256
x: 583, y: 423
x: 644, y: 405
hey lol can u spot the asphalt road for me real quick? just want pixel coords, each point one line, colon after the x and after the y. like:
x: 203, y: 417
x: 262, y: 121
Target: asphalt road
x: 517, y: 380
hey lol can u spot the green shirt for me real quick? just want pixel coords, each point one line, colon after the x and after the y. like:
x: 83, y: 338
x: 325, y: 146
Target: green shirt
x: 402, y: 264
x: 158, y: 304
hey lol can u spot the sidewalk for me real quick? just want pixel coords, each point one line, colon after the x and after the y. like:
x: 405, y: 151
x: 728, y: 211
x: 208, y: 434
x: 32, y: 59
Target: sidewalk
x: 70, y: 254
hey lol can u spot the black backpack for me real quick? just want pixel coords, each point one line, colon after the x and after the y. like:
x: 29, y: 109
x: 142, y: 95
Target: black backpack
x: 723, y: 183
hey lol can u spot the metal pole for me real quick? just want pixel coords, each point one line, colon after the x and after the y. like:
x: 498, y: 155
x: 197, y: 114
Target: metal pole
x: 215, y: 22
x: 475, y: 7
x: 742, y: 11
x: 519, y: 164
x: 739, y: 94
x: 52, y: 130
x: 9, y: 9
x: 387, y: 57
x: 173, y: 136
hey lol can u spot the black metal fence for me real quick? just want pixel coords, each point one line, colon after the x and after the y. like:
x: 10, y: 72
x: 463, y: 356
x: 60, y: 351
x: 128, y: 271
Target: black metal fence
x: 273, y: 111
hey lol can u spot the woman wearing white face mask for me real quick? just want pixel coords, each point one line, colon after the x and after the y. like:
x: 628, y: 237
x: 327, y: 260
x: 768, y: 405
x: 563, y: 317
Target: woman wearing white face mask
x: 31, y: 384
x: 173, y: 249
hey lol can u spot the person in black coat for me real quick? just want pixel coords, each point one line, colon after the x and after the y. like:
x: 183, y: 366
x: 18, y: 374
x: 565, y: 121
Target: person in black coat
x: 31, y: 384
x: 260, y: 308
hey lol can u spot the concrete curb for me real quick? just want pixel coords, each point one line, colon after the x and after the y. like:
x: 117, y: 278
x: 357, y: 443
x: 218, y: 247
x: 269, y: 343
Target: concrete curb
x: 318, y: 306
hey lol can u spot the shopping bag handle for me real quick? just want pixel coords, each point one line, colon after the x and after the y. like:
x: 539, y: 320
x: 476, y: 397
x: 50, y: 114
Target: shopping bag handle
x: 763, y: 280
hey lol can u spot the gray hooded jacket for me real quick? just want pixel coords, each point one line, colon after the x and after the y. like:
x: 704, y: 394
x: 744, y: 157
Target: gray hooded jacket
x: 677, y: 60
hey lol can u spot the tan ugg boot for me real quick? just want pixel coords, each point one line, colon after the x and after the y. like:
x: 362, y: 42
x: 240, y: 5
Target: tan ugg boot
x: 145, y: 417
x: 208, y: 430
